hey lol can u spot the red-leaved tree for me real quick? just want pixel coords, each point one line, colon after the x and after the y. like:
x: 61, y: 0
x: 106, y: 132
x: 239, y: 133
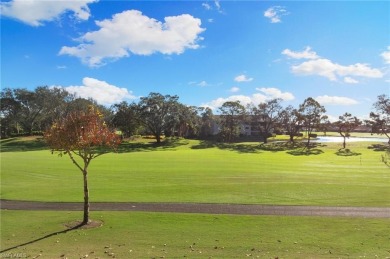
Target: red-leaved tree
x: 82, y: 134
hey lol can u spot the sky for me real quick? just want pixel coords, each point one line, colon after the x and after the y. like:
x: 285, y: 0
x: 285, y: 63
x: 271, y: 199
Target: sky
x: 206, y: 52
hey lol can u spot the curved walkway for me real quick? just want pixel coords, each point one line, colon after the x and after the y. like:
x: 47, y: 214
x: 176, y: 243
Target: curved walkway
x: 235, y: 209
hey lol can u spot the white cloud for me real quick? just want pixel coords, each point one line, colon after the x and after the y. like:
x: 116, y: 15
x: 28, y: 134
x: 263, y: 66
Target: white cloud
x: 335, y: 100
x: 202, y: 84
x: 206, y: 6
x: 244, y: 100
x: 330, y: 70
x: 273, y: 93
x: 275, y: 13
x: 35, y: 12
x: 306, y: 54
x: 234, y: 89
x: 131, y: 32
x: 101, y: 91
x: 350, y: 80
x: 386, y: 55
x: 256, y: 98
x: 242, y: 78
x: 217, y: 5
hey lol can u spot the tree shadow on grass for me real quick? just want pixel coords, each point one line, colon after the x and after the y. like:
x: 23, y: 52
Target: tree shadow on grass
x: 296, y: 148
x: 167, y: 144
x: 303, y: 150
x: 379, y: 147
x: 240, y: 148
x: 23, y: 144
x: 78, y: 226
x: 347, y: 152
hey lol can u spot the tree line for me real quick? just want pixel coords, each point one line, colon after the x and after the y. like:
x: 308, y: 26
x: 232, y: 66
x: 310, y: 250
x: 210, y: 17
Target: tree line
x: 28, y: 112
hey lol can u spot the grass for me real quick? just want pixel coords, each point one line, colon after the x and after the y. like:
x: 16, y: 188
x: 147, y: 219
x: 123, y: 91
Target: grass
x: 165, y: 235
x: 193, y: 171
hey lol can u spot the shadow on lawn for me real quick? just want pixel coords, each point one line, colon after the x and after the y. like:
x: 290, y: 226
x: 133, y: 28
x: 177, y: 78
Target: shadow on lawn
x: 27, y: 144
x: 379, y: 147
x: 241, y: 148
x: 167, y: 144
x: 295, y: 148
x: 44, y: 237
x: 303, y: 150
x: 347, y: 152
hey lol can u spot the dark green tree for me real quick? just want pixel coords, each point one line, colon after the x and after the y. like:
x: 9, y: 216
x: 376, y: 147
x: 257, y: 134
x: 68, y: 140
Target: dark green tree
x: 380, y: 119
x: 345, y: 125
x: 291, y: 122
x: 267, y: 117
x: 233, y: 116
x: 156, y: 113
x: 312, y: 115
x: 126, y: 118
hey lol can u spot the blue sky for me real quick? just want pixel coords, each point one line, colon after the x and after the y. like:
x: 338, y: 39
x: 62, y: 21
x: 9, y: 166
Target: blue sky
x: 206, y: 52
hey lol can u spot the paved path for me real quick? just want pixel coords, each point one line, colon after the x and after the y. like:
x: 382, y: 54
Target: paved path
x: 237, y: 209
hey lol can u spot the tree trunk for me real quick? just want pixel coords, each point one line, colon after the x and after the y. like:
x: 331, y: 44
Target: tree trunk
x: 291, y: 138
x: 158, y: 138
x: 86, y: 198
x: 344, y: 144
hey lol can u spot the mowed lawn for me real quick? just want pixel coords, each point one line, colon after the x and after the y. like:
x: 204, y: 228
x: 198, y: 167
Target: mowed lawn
x: 166, y: 235
x: 193, y: 171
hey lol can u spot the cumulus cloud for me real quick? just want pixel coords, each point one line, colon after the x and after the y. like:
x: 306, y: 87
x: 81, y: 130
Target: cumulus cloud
x: 234, y: 89
x: 335, y: 100
x: 131, y: 32
x: 315, y: 65
x: 306, y: 54
x: 35, y: 12
x: 331, y: 70
x: 275, y: 13
x: 243, y: 78
x: 256, y: 98
x: 386, y: 55
x: 350, y: 80
x: 273, y: 93
x: 101, y: 91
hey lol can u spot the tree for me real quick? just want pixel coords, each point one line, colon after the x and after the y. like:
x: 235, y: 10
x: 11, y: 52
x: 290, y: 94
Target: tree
x: 325, y: 125
x: 232, y: 117
x: 345, y: 125
x: 290, y: 121
x: 82, y: 134
x: 156, y: 113
x: 311, y: 113
x: 266, y: 116
x: 207, y: 122
x: 32, y: 110
x: 380, y: 120
x: 126, y: 118
x: 9, y: 109
x: 187, y: 123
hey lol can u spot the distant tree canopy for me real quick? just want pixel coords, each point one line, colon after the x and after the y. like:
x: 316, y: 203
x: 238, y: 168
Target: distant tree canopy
x: 27, y: 112
x: 380, y: 117
x: 232, y: 118
x: 345, y: 125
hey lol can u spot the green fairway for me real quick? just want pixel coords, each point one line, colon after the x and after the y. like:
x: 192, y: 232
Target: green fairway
x: 165, y: 235
x: 193, y: 171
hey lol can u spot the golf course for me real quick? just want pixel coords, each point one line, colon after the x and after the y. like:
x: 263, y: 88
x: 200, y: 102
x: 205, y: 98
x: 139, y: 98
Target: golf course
x: 197, y: 172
